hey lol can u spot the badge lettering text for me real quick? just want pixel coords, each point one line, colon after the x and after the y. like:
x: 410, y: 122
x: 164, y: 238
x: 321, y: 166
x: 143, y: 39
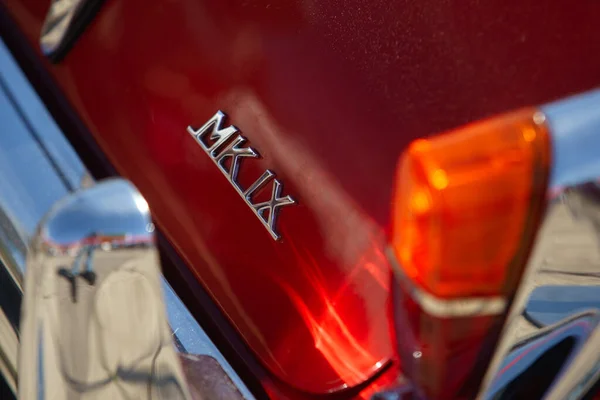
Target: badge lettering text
x: 267, y: 211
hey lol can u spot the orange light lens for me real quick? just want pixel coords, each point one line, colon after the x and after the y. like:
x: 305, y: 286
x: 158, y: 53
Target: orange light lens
x: 467, y: 205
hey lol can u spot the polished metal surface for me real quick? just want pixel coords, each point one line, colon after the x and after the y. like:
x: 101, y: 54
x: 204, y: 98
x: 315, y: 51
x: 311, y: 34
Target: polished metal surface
x: 575, y: 126
x: 12, y: 249
x: 583, y: 372
x: 543, y: 354
x: 560, y: 291
x: 37, y: 165
x: 58, y: 21
x: 37, y: 168
x: 220, y: 152
x: 8, y: 353
x: 94, y: 323
x: 63, y: 19
x: 192, y: 342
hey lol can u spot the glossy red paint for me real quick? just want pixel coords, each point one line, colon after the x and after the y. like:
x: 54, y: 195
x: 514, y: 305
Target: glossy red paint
x: 329, y: 93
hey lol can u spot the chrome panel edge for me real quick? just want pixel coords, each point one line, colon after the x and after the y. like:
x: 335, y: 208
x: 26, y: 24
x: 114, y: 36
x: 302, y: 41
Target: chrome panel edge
x: 39, y: 171
x: 192, y: 337
x: 46, y: 132
x: 30, y: 182
x: 13, y: 248
x: 57, y: 23
x: 8, y: 353
x: 64, y: 22
x: 565, y: 262
x: 93, y: 317
x: 575, y: 126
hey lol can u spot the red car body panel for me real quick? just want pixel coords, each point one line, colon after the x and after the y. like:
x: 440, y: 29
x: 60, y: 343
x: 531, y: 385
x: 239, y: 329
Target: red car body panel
x: 329, y: 93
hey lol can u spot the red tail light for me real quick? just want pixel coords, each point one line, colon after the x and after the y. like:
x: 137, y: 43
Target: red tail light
x: 466, y: 208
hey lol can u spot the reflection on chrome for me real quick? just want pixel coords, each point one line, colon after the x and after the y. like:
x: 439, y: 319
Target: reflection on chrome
x: 63, y: 20
x: 93, y: 318
x: 558, y: 301
x: 58, y: 21
x: 534, y: 363
x: 559, y: 294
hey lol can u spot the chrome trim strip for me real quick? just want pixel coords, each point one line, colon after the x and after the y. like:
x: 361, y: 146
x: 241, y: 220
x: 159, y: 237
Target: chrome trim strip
x: 13, y: 248
x: 579, y: 329
x: 435, y: 306
x: 9, y: 343
x: 31, y: 183
x: 57, y: 23
x: 575, y: 127
x: 42, y: 127
x: 35, y: 185
x: 567, y: 249
x: 64, y: 22
x: 39, y: 168
x: 193, y: 339
x: 582, y: 374
x: 94, y: 303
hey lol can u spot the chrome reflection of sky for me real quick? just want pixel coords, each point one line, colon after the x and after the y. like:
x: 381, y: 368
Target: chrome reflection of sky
x: 31, y: 146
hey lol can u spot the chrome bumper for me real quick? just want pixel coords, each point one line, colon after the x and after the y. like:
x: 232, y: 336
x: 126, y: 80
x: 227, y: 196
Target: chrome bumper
x: 37, y: 168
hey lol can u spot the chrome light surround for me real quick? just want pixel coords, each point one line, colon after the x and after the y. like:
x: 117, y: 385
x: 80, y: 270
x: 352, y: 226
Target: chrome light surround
x: 559, y: 295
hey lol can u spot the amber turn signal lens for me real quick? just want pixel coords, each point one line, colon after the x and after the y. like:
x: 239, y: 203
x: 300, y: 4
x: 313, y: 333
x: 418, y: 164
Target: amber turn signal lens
x: 467, y: 204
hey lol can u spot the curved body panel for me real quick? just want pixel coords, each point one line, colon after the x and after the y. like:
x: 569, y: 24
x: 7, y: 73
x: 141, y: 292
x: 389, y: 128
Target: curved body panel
x: 329, y: 94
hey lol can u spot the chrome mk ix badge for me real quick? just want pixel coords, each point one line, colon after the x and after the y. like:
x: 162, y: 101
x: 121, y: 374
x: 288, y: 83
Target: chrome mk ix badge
x: 229, y: 144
